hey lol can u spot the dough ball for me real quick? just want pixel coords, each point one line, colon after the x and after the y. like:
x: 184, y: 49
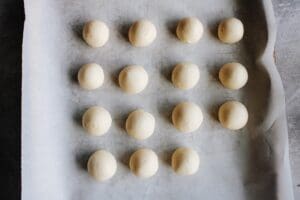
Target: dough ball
x: 90, y: 76
x: 133, y: 79
x: 102, y: 165
x: 140, y: 124
x: 96, y: 121
x: 189, y: 30
x: 185, y: 75
x: 187, y: 117
x: 231, y: 30
x: 233, y: 115
x: 144, y: 163
x: 233, y: 76
x: 95, y: 33
x: 142, y: 33
x: 185, y: 161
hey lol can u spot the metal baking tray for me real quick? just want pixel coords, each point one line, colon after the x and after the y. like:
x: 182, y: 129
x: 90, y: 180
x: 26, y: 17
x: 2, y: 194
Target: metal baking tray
x: 248, y: 164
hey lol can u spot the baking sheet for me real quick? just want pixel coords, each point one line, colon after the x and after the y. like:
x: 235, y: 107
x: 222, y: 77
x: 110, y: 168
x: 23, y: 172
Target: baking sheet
x: 249, y: 164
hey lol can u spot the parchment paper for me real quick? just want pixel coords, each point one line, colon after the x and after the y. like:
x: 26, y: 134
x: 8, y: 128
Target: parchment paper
x: 251, y: 163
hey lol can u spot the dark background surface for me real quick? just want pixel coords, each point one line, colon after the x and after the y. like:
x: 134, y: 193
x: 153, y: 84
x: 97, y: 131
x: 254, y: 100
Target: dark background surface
x: 11, y: 31
x: 287, y: 53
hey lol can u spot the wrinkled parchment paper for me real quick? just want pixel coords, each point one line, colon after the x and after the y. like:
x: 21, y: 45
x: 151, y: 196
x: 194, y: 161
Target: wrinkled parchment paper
x: 251, y: 163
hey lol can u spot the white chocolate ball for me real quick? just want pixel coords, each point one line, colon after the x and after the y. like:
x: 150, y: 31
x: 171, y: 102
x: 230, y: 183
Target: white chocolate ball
x: 233, y: 115
x: 102, y: 165
x: 140, y: 124
x: 189, y: 30
x: 187, y: 117
x: 95, y: 33
x: 142, y: 33
x: 133, y: 79
x: 185, y: 161
x: 231, y: 30
x: 233, y: 76
x: 144, y: 163
x: 185, y: 75
x: 90, y: 76
x: 96, y: 121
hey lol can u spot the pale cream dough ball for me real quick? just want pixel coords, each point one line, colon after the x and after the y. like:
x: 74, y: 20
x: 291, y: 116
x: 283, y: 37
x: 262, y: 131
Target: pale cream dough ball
x: 102, y: 165
x: 233, y: 115
x: 95, y: 33
x: 133, y: 79
x: 187, y: 117
x: 233, y: 76
x: 142, y: 33
x: 96, y: 121
x: 144, y: 163
x: 185, y: 161
x: 90, y: 76
x: 231, y: 30
x: 140, y: 124
x: 189, y: 30
x: 185, y: 75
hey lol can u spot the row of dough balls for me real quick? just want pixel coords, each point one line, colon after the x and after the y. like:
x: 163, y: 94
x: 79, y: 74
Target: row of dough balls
x: 143, y: 32
x: 143, y: 163
x: 134, y: 79
x: 186, y: 117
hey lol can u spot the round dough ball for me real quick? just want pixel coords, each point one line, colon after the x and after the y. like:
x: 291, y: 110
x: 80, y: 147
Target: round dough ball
x: 96, y: 121
x: 144, y: 163
x: 133, y: 79
x: 233, y: 115
x: 95, y: 33
x: 185, y: 161
x: 189, y: 30
x: 185, y: 75
x: 142, y: 33
x: 140, y: 124
x: 233, y: 76
x: 102, y: 165
x: 90, y: 76
x: 187, y: 117
x: 231, y: 30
